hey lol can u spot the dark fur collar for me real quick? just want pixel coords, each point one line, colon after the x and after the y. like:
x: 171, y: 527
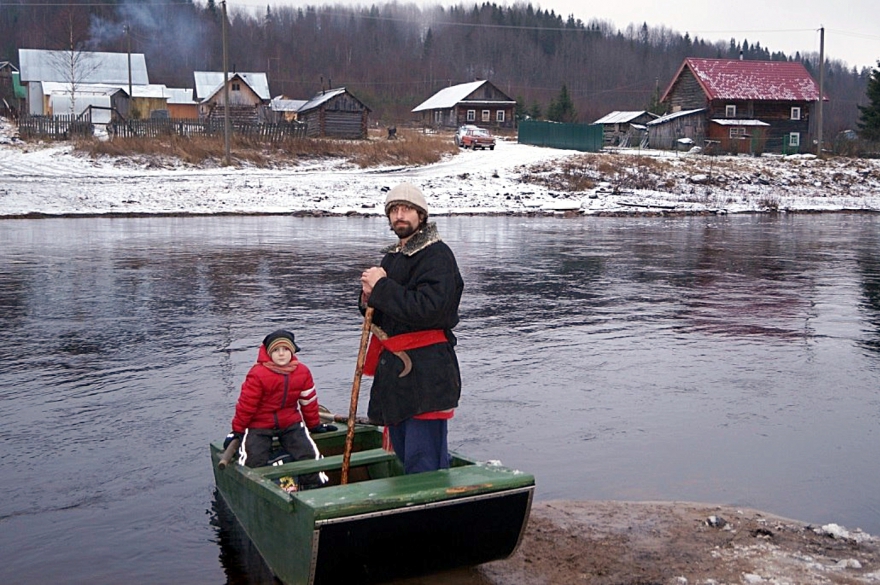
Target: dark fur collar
x: 421, y: 239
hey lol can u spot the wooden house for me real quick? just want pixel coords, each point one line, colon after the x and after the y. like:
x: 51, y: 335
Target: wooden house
x: 478, y: 102
x: 335, y: 113
x: 625, y: 128
x: 780, y: 94
x: 248, y: 95
x: 8, y: 99
x: 116, y: 70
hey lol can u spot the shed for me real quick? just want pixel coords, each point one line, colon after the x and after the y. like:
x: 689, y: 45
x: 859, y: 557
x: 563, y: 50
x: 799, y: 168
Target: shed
x: 624, y: 128
x: 666, y: 131
x: 248, y: 94
x: 181, y: 105
x: 781, y: 94
x: 477, y: 102
x: 284, y: 109
x: 8, y: 84
x: 335, y: 113
x: 738, y: 136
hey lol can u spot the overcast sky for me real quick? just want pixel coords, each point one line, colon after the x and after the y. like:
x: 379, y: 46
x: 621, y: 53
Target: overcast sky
x: 852, y: 27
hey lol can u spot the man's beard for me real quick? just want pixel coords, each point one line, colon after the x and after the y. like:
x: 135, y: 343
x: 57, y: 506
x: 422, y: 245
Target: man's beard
x: 404, y: 230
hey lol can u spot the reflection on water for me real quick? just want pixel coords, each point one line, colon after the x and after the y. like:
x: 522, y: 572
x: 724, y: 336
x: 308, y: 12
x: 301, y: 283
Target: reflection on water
x: 721, y: 359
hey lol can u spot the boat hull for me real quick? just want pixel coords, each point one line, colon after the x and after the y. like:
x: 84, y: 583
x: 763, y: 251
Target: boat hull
x: 383, y: 525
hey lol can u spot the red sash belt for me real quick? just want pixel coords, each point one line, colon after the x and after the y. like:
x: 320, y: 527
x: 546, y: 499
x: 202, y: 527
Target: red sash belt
x: 401, y: 342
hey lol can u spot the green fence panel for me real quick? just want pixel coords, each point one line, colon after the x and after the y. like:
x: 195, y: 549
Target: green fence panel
x: 583, y: 137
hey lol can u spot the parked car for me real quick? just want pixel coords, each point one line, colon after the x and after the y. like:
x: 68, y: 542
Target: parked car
x: 478, y: 138
x: 462, y: 130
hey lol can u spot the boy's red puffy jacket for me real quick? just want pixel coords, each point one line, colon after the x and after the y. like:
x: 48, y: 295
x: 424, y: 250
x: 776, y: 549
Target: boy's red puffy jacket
x: 269, y: 399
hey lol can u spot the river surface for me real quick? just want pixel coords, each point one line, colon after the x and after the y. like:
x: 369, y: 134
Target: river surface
x: 731, y: 360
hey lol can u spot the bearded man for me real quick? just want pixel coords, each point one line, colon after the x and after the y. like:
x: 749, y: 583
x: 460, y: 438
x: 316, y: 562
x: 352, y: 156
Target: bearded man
x: 414, y: 293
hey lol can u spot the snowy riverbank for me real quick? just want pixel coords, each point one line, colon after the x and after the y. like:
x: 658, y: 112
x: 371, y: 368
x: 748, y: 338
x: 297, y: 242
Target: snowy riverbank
x: 50, y: 179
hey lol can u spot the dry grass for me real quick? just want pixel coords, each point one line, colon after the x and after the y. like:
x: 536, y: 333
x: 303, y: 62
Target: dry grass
x: 410, y: 148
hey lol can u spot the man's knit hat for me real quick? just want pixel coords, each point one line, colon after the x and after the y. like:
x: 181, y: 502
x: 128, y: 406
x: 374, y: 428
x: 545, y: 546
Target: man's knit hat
x: 280, y: 338
x: 408, y: 194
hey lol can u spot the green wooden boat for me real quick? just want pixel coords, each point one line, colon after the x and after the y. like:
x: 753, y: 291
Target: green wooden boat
x: 382, y: 524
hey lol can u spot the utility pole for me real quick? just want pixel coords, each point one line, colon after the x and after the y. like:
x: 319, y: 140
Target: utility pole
x: 821, y: 88
x: 130, y: 97
x: 225, y: 89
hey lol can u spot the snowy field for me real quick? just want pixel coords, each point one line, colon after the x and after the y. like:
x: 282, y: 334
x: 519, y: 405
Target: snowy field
x: 49, y: 179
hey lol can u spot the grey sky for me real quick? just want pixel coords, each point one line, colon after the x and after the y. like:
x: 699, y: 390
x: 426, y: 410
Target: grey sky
x: 852, y: 27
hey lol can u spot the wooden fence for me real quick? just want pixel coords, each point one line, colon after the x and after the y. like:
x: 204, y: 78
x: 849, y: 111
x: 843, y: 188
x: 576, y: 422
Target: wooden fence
x: 61, y: 127
x: 263, y: 132
x: 65, y: 127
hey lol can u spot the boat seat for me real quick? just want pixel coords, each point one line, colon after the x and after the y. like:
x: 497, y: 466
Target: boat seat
x: 332, y: 463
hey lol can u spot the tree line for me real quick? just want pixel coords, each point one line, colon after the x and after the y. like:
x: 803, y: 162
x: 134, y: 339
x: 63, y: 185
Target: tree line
x: 394, y: 56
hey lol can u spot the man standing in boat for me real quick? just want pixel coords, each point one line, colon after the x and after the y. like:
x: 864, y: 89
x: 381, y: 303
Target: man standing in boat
x: 415, y: 294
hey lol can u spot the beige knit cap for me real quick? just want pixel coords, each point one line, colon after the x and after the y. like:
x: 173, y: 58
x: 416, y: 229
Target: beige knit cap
x: 406, y: 193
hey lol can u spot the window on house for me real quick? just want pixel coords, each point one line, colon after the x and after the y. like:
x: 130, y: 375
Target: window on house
x: 487, y: 115
x: 794, y: 139
x: 438, y: 116
x: 499, y: 116
x: 795, y: 113
x: 471, y: 115
x: 236, y: 87
x: 730, y: 111
x: 737, y: 132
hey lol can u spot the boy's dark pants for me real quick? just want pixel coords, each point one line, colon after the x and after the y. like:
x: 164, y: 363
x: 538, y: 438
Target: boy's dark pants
x: 256, y: 448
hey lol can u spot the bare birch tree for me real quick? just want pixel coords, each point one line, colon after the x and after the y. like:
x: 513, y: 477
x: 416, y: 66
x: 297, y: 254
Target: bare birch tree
x: 73, y: 64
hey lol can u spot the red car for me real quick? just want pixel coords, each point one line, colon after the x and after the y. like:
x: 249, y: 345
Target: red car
x: 475, y: 138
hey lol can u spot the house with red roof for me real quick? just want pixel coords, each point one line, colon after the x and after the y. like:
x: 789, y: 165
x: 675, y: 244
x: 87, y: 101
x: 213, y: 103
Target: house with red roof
x: 746, y: 106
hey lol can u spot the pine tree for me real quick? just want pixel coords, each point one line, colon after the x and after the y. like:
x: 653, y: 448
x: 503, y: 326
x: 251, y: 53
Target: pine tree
x: 869, y: 120
x: 562, y: 109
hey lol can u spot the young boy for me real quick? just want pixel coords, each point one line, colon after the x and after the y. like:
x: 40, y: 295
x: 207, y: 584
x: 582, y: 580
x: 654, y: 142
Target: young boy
x: 278, y: 399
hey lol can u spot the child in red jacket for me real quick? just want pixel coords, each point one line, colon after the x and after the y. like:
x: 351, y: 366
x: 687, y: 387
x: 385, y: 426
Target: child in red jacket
x: 278, y: 399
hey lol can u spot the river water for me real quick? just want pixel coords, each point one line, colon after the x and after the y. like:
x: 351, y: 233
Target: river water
x: 732, y: 360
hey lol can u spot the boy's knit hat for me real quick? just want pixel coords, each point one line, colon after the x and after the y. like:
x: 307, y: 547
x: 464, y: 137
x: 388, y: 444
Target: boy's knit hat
x: 280, y: 338
x: 406, y: 193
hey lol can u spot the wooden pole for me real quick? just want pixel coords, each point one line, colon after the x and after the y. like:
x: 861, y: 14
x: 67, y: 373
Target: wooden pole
x: 225, y: 91
x: 355, y: 390
x: 819, y: 117
x: 229, y: 453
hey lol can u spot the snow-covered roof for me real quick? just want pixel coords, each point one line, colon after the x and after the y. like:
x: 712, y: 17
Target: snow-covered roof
x: 155, y: 90
x: 209, y: 83
x: 733, y: 122
x: 619, y: 117
x: 284, y: 105
x: 449, y: 96
x: 673, y: 116
x: 90, y: 67
x: 321, y: 98
x: 733, y: 79
x: 180, y: 96
x: 8, y: 65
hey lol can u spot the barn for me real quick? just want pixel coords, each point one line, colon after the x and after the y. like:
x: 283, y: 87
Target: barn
x: 335, y: 113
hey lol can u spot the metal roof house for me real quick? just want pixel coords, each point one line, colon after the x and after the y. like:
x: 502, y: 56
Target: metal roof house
x: 781, y: 94
x: 248, y: 94
x: 478, y: 102
x: 335, y: 113
x: 76, y: 68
